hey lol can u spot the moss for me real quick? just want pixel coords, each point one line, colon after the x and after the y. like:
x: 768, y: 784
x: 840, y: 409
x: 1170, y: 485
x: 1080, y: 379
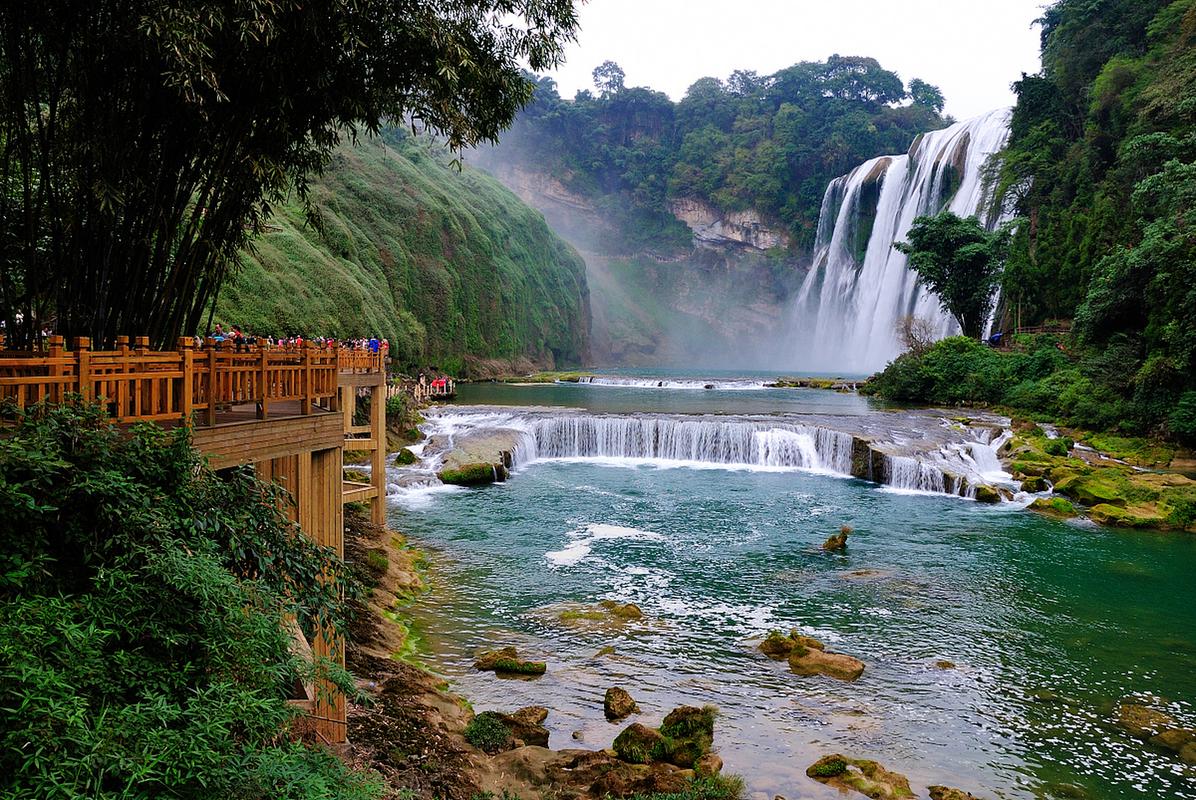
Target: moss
x: 377, y: 561
x: 827, y: 767
x: 1131, y: 517
x: 1134, y: 450
x: 469, y: 475
x: 487, y: 732
x: 639, y: 744
x: 580, y: 614
x: 357, y: 476
x: 1102, y: 487
x: 516, y: 667
x: 1054, y: 506
x: 705, y: 787
x: 405, y: 458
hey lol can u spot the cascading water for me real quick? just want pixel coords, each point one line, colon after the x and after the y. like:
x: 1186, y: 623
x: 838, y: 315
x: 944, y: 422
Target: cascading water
x: 846, y: 313
x: 707, y: 441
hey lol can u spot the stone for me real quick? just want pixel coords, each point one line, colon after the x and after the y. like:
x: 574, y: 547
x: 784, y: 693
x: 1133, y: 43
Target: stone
x: 526, y: 725
x: 708, y: 765
x: 688, y: 733
x: 578, y: 736
x: 944, y: 664
x: 623, y: 610
x: 987, y: 494
x: 1034, y: 484
x: 506, y: 661
x: 639, y: 744
x: 838, y: 541
x: 1059, y: 507
x: 947, y: 793
x: 809, y: 661
x: 1142, y: 721
x: 404, y: 457
x: 472, y: 474
x: 618, y: 704
x: 859, y: 775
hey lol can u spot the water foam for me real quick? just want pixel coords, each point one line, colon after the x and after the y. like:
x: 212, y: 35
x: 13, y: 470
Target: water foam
x: 583, y: 539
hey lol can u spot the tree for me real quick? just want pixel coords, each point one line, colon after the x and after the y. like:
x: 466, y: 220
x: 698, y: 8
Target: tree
x: 608, y: 78
x: 143, y: 143
x: 915, y: 333
x: 926, y: 95
x: 961, y: 262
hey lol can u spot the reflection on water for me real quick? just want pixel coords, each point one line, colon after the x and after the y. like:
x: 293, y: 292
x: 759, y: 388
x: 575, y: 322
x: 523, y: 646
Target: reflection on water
x: 1049, y: 625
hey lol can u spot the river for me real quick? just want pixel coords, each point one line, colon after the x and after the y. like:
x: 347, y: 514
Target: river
x: 1049, y: 625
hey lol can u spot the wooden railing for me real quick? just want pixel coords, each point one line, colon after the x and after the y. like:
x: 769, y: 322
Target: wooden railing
x: 423, y: 392
x: 194, y: 383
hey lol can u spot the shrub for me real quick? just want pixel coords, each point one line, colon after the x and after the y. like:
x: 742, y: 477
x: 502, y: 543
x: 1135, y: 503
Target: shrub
x: 142, y: 611
x: 1182, y: 420
x: 488, y: 733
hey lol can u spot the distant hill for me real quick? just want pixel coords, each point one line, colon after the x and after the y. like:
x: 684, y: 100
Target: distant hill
x: 450, y: 266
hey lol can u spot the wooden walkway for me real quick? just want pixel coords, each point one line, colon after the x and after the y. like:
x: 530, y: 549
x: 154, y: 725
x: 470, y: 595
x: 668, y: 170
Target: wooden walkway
x: 288, y: 412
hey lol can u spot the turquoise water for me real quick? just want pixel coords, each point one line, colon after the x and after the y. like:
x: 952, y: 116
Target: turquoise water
x: 1050, y: 624
x: 623, y: 400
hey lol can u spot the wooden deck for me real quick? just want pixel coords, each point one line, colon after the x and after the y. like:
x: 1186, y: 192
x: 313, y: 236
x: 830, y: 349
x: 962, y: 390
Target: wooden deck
x: 289, y: 412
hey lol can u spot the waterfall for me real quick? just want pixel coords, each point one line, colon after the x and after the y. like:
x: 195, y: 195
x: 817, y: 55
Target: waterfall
x: 859, y: 286
x: 701, y: 440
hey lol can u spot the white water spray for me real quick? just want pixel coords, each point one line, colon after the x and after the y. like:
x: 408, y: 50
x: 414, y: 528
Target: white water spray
x: 859, y: 286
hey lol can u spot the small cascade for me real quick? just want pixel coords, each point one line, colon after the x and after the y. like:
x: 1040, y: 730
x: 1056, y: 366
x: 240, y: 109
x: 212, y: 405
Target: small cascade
x: 859, y: 286
x: 696, y: 440
x: 910, y: 474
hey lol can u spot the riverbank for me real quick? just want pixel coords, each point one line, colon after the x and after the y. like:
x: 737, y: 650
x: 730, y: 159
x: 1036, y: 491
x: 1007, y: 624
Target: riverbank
x: 426, y: 742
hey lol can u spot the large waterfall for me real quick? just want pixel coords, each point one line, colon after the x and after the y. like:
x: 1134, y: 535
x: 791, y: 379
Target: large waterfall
x: 859, y: 286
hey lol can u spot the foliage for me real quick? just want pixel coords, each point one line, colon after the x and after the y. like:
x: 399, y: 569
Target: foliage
x: 771, y: 143
x: 828, y: 768
x: 143, y: 141
x: 960, y: 262
x: 143, y: 608
x: 1102, y: 162
x: 712, y: 787
x: 449, y: 264
x: 488, y: 733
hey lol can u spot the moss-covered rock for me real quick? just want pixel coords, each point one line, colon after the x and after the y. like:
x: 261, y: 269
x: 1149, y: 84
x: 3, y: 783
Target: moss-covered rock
x: 618, y: 704
x: 1135, y: 516
x: 1034, y: 484
x: 1142, y: 721
x: 1098, y: 488
x: 859, y: 775
x: 639, y: 744
x: 472, y: 474
x: 689, y: 734
x: 622, y: 610
x: 1059, y: 507
x: 404, y: 457
x: 838, y: 541
x: 987, y: 494
x: 507, y: 662
x: 809, y: 661
x: 947, y: 793
x: 779, y: 647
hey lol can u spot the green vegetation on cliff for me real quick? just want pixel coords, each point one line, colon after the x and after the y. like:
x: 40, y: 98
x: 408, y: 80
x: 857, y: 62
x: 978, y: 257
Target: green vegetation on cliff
x: 769, y: 143
x: 444, y: 263
x: 1102, y: 165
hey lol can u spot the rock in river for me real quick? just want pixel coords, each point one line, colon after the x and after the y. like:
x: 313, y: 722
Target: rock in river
x: 618, y: 704
x: 507, y: 662
x: 808, y: 656
x: 866, y: 777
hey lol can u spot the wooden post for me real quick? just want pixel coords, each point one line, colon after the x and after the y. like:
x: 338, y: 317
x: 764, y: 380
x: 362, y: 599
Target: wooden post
x: 378, y: 456
x: 263, y: 406
x: 308, y: 388
x: 187, y: 365
x: 83, y: 359
x: 211, y: 415
x: 57, y: 345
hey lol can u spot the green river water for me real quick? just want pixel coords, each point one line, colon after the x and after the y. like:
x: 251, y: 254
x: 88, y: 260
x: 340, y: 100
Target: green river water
x: 1050, y: 624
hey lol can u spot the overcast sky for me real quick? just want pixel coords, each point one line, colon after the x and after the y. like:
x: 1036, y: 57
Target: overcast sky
x: 971, y: 49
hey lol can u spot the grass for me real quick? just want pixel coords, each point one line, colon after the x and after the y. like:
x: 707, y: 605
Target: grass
x: 443, y: 263
x: 714, y: 787
x: 487, y: 732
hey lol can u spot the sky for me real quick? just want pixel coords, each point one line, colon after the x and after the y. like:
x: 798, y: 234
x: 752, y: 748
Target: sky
x: 971, y: 49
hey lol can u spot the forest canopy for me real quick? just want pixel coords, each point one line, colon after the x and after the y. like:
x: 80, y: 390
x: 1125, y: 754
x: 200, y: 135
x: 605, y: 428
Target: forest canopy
x: 767, y: 142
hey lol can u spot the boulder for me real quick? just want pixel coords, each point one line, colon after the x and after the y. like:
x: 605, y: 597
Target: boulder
x: 473, y: 474
x: 1142, y: 721
x: 1091, y: 490
x: 1059, y: 507
x: 778, y: 646
x: 944, y: 664
x: 526, y: 725
x: 1181, y: 741
x: 688, y: 733
x: 404, y: 457
x: 809, y: 661
x: 618, y: 704
x: 859, y: 775
x: 1130, y: 517
x: 639, y: 744
x: 1034, y: 483
x: 987, y: 494
x: 838, y: 541
x: 506, y: 661
x: 622, y: 610
x: 947, y: 793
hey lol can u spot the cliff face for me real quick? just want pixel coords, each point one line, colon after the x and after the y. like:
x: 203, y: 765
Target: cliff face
x: 447, y: 264
x: 716, y: 303
x: 714, y: 228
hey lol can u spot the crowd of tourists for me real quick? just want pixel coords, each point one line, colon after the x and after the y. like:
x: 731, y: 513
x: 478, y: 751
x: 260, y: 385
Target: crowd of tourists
x: 239, y: 339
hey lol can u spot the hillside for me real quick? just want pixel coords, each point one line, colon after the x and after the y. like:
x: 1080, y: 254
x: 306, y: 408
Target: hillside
x: 1102, y: 165
x: 445, y: 263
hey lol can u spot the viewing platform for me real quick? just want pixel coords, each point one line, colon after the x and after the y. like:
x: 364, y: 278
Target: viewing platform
x: 287, y: 411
